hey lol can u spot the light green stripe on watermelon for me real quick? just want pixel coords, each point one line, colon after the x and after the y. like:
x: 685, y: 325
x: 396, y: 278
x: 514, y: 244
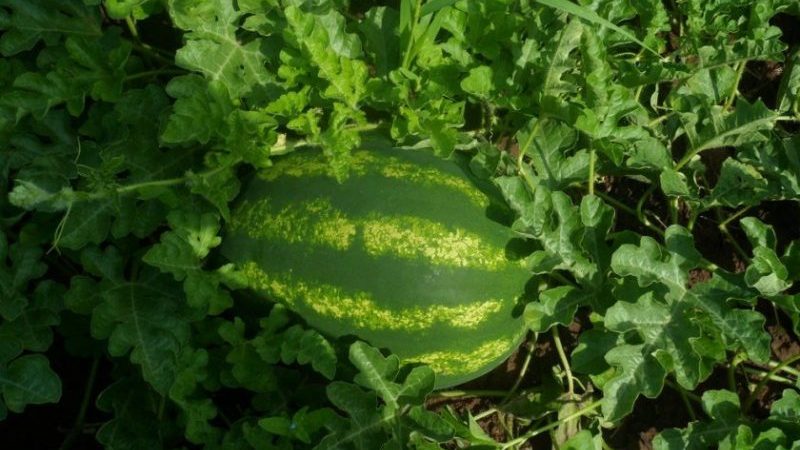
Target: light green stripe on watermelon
x: 314, y: 222
x: 414, y: 237
x: 317, y: 222
x: 450, y: 363
x: 400, y: 170
x: 364, y: 162
x: 308, y: 164
x: 360, y: 309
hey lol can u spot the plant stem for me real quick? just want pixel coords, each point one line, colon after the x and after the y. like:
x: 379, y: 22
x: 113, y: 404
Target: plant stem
x: 130, y: 188
x: 135, y: 187
x: 760, y: 374
x: 685, y: 398
x: 735, y: 93
x: 132, y: 27
x: 694, y: 214
x: 528, y: 355
x: 153, y: 53
x: 484, y: 414
x: 69, y: 441
x: 149, y: 73
x: 523, y: 149
x: 564, y: 362
x: 627, y: 209
x: 732, y: 374
x: 561, y: 279
x: 689, y: 395
x: 723, y: 228
x: 787, y: 369
x: 640, y: 205
x: 643, y: 199
x: 767, y: 378
x: 734, y: 216
x: 412, y: 28
x: 660, y: 119
x: 673, y: 210
x: 592, y: 159
x: 581, y: 412
x: 470, y: 393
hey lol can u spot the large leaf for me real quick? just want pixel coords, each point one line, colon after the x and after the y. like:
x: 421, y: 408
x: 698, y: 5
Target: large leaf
x: 48, y: 21
x: 676, y: 330
x: 368, y: 423
x: 213, y: 49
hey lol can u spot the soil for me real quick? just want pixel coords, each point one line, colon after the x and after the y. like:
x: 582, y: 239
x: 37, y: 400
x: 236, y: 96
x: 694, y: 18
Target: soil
x: 785, y: 344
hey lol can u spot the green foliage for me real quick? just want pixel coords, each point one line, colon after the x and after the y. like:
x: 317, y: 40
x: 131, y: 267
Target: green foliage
x: 727, y: 429
x: 647, y: 153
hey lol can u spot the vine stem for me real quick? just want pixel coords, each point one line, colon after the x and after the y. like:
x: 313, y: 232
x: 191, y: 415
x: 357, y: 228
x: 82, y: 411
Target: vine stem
x: 277, y: 149
x: 528, y: 356
x: 627, y: 209
x: 689, y: 395
x: 723, y: 228
x: 752, y: 397
x: 581, y: 412
x: 153, y: 52
x: 470, y: 393
x: 673, y: 206
x: 789, y: 370
x: 69, y: 441
x: 660, y: 119
x: 143, y: 47
x: 734, y: 216
x: 411, y: 30
x: 641, y: 202
x: 484, y: 414
x: 523, y: 149
x: 592, y: 161
x: 760, y: 374
x: 735, y: 93
x: 132, y: 27
x: 732, y: 372
x: 685, y: 399
x: 149, y: 73
x: 564, y: 362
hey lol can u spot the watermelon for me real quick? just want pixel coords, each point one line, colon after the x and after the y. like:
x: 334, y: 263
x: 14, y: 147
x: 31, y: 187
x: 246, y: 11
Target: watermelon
x: 401, y: 254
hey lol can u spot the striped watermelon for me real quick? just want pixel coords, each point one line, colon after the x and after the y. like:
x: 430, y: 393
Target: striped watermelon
x: 401, y: 254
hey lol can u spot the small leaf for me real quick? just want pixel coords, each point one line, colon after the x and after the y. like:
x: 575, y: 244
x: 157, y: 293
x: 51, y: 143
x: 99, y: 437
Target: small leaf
x: 29, y: 380
x: 376, y: 371
x: 739, y: 184
x: 478, y: 82
x: 135, y: 422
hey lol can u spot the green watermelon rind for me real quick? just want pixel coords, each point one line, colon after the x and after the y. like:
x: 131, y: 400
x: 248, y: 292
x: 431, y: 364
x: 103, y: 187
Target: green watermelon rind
x: 401, y: 254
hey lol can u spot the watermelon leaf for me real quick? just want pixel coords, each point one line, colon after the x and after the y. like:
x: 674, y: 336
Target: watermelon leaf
x: 398, y: 412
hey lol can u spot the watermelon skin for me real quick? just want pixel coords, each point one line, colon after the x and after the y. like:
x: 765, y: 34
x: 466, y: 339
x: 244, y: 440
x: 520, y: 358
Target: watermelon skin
x: 401, y: 254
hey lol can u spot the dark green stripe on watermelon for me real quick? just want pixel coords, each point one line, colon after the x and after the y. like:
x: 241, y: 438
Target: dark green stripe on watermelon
x: 401, y: 254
